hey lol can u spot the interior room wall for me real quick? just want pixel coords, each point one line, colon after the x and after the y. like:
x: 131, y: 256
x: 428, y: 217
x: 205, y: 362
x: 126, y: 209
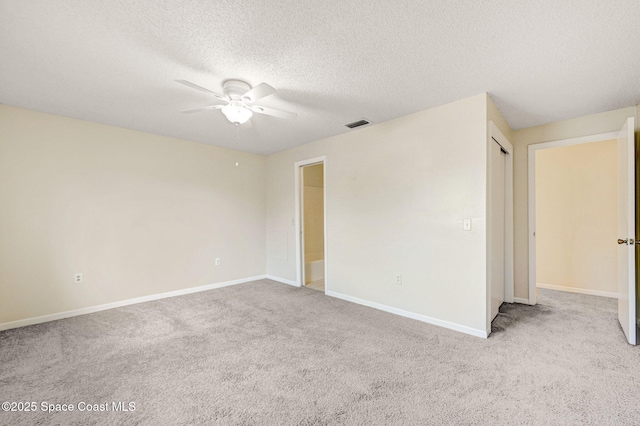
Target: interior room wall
x: 396, y: 196
x: 137, y: 214
x: 494, y: 114
x: 313, y: 212
x: 576, y: 217
x: 605, y: 122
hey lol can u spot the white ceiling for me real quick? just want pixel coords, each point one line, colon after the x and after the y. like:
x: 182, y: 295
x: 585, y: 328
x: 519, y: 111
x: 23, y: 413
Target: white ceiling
x: 333, y: 62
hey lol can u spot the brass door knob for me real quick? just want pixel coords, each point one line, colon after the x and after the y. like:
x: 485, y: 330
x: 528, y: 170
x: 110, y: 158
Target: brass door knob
x: 622, y: 241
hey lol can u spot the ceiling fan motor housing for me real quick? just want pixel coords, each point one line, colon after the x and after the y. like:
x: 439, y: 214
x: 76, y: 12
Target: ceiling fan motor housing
x: 234, y: 89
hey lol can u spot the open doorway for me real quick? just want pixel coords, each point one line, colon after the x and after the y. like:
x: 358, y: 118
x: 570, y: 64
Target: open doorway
x: 624, y: 222
x: 576, y: 218
x: 499, y: 223
x: 551, y: 161
x: 311, y: 224
x: 498, y: 243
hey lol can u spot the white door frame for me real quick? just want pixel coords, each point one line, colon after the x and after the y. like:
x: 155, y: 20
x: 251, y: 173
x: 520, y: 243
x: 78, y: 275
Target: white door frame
x: 496, y: 134
x: 532, y: 196
x: 299, y: 219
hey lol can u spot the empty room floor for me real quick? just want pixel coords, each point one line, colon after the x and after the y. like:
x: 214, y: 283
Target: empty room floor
x: 268, y: 353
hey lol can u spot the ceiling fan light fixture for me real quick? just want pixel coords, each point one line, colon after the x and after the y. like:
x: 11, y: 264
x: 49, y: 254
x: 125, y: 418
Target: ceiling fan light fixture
x: 236, y: 113
x: 239, y: 97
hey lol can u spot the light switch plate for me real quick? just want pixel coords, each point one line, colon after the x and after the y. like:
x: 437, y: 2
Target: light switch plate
x: 466, y: 225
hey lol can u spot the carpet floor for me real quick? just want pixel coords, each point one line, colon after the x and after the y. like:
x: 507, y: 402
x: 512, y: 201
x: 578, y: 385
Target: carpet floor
x: 267, y: 354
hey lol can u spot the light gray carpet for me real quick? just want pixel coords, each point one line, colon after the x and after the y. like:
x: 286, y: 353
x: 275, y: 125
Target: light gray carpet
x: 266, y: 353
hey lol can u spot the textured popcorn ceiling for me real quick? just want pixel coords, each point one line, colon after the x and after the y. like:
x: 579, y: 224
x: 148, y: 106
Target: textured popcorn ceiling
x: 333, y: 62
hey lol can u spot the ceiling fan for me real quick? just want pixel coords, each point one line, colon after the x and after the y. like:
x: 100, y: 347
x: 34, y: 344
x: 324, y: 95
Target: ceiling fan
x: 239, y: 98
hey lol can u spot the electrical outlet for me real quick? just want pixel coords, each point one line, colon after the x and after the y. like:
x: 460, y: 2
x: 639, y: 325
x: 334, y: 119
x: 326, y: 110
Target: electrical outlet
x: 217, y: 261
x: 78, y: 277
x: 398, y: 279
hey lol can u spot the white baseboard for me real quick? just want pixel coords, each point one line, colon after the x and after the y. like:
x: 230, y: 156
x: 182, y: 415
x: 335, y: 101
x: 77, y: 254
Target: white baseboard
x: 419, y: 317
x: 578, y: 290
x: 521, y: 300
x: 98, y: 308
x: 282, y: 280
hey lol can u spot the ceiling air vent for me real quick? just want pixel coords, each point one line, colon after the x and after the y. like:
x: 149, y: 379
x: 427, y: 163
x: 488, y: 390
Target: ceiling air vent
x: 358, y: 123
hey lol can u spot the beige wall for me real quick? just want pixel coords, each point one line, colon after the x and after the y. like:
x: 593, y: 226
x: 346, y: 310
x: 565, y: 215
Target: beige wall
x: 313, y: 212
x: 141, y: 214
x: 493, y: 114
x: 576, y: 216
x: 137, y: 214
x: 397, y: 194
x: 314, y: 176
x: 583, y: 126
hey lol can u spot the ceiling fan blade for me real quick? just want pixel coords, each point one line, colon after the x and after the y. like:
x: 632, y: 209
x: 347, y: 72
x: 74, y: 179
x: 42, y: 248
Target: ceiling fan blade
x: 274, y: 112
x: 207, y: 108
x: 201, y: 89
x: 258, y: 92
